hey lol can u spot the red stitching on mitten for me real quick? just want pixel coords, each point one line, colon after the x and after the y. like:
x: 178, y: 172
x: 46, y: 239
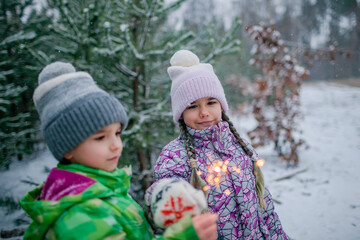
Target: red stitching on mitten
x: 175, y: 210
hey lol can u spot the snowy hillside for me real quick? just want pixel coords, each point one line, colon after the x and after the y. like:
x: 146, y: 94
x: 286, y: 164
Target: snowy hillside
x: 319, y: 199
x: 324, y: 201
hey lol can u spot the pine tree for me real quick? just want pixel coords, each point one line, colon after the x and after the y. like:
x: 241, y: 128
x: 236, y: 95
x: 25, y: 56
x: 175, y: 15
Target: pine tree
x: 18, y: 32
x: 126, y: 46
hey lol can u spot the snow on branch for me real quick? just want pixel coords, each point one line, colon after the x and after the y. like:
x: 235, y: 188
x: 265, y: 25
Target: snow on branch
x: 18, y: 37
x: 132, y: 47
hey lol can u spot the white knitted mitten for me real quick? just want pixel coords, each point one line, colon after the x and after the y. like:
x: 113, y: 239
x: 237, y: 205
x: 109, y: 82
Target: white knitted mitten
x: 173, y: 199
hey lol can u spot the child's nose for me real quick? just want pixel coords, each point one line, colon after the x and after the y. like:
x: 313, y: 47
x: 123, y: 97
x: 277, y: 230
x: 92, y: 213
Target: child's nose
x: 116, y: 143
x: 204, y: 112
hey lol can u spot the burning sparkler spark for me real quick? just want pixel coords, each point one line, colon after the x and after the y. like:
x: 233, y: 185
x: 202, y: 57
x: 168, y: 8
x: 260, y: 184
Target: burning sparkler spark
x: 260, y: 162
x: 236, y: 169
x: 217, y: 170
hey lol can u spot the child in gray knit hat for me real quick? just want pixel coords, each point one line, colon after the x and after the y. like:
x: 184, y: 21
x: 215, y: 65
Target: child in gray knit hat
x: 86, y: 195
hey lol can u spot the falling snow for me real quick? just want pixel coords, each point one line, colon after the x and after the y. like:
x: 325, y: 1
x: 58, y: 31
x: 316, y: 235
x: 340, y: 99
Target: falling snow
x: 318, y: 199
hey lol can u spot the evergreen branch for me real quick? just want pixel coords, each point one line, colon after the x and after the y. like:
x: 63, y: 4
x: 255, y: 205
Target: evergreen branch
x: 63, y: 10
x: 170, y: 7
x: 149, y: 16
x: 132, y: 46
x: 64, y: 33
x: 125, y: 70
x: 17, y: 38
x: 180, y: 40
x: 40, y: 56
x: 137, y: 10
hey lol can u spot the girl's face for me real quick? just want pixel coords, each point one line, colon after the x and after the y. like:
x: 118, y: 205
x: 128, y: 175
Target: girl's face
x: 204, y: 112
x: 101, y: 150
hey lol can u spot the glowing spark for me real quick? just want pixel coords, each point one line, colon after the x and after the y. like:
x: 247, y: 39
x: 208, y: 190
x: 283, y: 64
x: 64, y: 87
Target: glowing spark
x: 198, y: 172
x: 260, y: 162
x: 210, y: 179
x: 227, y: 192
x: 217, y: 171
x: 206, y: 188
x: 236, y: 169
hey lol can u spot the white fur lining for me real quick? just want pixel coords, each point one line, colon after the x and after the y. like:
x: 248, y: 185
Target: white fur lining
x: 46, y: 86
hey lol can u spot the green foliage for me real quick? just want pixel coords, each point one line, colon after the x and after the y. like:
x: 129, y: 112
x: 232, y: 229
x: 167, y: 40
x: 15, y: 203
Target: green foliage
x: 18, y: 32
x: 125, y: 46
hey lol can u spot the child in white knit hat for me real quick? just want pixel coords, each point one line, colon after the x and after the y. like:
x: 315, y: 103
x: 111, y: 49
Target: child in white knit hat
x: 86, y: 195
x: 210, y: 154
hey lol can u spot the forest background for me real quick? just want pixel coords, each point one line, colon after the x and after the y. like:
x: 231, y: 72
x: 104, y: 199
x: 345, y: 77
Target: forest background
x: 126, y: 47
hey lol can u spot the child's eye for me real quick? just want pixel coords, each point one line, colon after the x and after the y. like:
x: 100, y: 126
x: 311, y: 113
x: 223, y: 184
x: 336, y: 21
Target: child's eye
x: 191, y: 107
x: 99, y: 138
x: 118, y: 133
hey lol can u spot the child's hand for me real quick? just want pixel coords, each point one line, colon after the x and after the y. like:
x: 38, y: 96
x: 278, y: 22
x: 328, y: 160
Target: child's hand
x: 205, y: 226
x: 174, y: 198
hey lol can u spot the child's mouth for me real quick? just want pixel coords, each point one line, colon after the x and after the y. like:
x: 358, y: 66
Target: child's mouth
x: 206, y: 123
x: 114, y: 158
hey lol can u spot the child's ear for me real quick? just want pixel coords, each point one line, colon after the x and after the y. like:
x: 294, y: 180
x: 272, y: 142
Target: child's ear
x: 68, y: 156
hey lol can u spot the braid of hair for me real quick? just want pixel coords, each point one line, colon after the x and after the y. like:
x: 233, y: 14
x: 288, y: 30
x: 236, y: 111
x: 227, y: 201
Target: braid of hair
x: 187, y: 140
x: 259, y: 178
x: 195, y: 179
x: 237, y: 136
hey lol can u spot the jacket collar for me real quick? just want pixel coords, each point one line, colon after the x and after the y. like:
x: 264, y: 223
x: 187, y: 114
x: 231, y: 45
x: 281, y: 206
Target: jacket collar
x: 118, y: 180
x: 218, y: 137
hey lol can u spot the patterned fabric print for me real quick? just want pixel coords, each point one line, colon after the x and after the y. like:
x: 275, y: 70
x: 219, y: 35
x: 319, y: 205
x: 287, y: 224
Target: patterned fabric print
x: 62, y: 183
x: 229, y: 173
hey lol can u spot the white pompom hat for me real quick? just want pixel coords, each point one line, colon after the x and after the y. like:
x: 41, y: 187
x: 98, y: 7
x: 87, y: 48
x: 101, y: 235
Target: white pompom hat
x: 192, y: 80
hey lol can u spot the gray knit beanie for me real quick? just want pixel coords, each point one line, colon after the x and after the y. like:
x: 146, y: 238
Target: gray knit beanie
x: 72, y: 107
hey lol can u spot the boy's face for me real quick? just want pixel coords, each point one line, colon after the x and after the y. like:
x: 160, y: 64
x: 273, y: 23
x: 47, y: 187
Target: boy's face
x: 101, y: 150
x: 204, y: 112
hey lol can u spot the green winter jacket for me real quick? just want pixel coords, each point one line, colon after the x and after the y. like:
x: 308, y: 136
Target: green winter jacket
x: 78, y: 202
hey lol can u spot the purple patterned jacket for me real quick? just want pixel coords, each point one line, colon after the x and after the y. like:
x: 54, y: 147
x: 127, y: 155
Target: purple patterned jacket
x: 228, y: 171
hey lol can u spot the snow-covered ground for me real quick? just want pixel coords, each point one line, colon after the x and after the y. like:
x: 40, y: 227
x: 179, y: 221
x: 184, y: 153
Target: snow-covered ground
x: 322, y: 199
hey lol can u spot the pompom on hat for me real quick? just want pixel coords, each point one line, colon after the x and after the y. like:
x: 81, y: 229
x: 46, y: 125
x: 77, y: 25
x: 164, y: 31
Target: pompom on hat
x: 192, y: 80
x: 72, y: 107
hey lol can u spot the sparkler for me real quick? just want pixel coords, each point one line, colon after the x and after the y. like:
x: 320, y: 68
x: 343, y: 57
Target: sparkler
x: 260, y: 162
x: 217, y: 170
